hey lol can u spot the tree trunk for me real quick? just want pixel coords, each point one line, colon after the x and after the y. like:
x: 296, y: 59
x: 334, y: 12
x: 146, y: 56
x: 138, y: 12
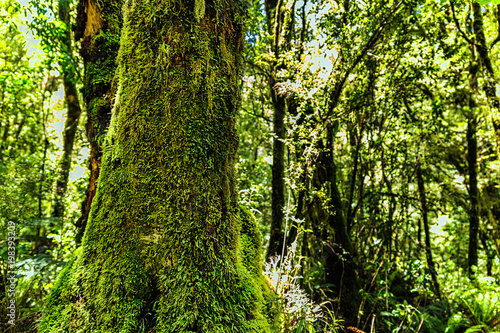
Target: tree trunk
x: 278, y: 166
x: 493, y: 215
x: 489, y: 86
x: 73, y: 112
x: 490, y: 254
x: 160, y: 249
x: 278, y: 175
x: 99, y: 28
x: 425, y: 218
x: 280, y: 25
x: 6, y: 128
x: 329, y: 226
x: 473, y: 193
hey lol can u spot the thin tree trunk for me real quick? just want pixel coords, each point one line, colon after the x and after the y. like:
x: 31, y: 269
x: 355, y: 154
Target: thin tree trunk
x: 355, y: 159
x: 473, y: 193
x: 6, y: 128
x: 280, y: 26
x: 327, y: 220
x: 278, y: 174
x: 490, y: 254
x: 73, y: 113
x: 489, y: 86
x: 425, y: 219
x: 46, y: 144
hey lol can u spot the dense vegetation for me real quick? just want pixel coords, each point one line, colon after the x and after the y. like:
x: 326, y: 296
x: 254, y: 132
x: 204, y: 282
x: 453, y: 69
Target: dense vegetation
x: 364, y: 195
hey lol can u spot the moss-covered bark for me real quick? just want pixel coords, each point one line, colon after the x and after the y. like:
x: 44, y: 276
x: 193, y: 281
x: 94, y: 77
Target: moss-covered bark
x: 251, y: 256
x: 327, y: 219
x: 160, y: 252
x: 280, y: 26
x: 472, y: 258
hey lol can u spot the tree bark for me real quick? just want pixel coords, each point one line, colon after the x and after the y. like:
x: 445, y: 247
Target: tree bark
x: 160, y: 249
x: 99, y: 29
x: 73, y: 112
x: 425, y: 218
x: 473, y: 194
x: 278, y: 174
x: 328, y: 223
x: 489, y: 86
x: 280, y: 25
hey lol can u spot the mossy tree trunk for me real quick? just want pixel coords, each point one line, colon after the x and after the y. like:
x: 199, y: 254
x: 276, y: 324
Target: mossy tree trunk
x: 493, y: 215
x: 326, y: 217
x: 477, y: 43
x: 74, y: 110
x: 99, y: 29
x: 160, y: 251
x: 489, y: 85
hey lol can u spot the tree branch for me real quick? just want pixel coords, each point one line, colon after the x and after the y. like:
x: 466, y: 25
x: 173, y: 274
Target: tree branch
x: 457, y: 24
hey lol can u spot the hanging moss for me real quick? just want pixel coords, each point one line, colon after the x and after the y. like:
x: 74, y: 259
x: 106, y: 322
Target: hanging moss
x: 161, y: 246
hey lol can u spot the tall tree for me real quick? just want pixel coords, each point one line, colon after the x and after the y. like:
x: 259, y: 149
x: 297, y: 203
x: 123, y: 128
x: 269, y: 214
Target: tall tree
x: 473, y: 191
x: 74, y: 109
x: 98, y: 27
x: 280, y: 19
x: 490, y: 82
x: 160, y: 248
x: 425, y: 218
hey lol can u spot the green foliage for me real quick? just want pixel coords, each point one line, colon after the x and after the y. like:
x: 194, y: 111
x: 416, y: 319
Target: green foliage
x: 298, y: 312
x: 480, y: 304
x: 28, y: 146
x: 485, y: 2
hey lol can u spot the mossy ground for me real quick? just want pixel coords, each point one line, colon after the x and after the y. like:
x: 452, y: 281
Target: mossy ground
x: 160, y: 251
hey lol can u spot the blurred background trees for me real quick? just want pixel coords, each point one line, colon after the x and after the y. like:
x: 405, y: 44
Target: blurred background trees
x: 369, y: 155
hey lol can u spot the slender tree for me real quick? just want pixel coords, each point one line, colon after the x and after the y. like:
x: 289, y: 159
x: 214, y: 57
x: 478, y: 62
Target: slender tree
x: 425, y: 218
x: 472, y: 122
x: 473, y: 193
x: 328, y: 222
x: 160, y: 248
x: 280, y: 19
x: 490, y: 82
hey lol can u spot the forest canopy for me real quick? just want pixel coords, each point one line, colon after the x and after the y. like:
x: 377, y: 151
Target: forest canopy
x: 250, y: 166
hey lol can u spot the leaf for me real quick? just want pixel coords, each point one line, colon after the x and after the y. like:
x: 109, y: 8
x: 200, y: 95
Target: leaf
x: 485, y: 2
x: 301, y: 326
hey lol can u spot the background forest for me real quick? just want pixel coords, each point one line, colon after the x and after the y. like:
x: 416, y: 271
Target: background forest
x: 369, y: 155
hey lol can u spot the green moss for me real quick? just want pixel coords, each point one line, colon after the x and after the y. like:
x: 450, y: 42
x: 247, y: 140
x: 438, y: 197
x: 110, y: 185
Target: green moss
x: 252, y: 258
x: 58, y: 316
x: 495, y: 117
x: 250, y: 242
x: 100, y: 52
x: 162, y: 242
x: 199, y: 9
